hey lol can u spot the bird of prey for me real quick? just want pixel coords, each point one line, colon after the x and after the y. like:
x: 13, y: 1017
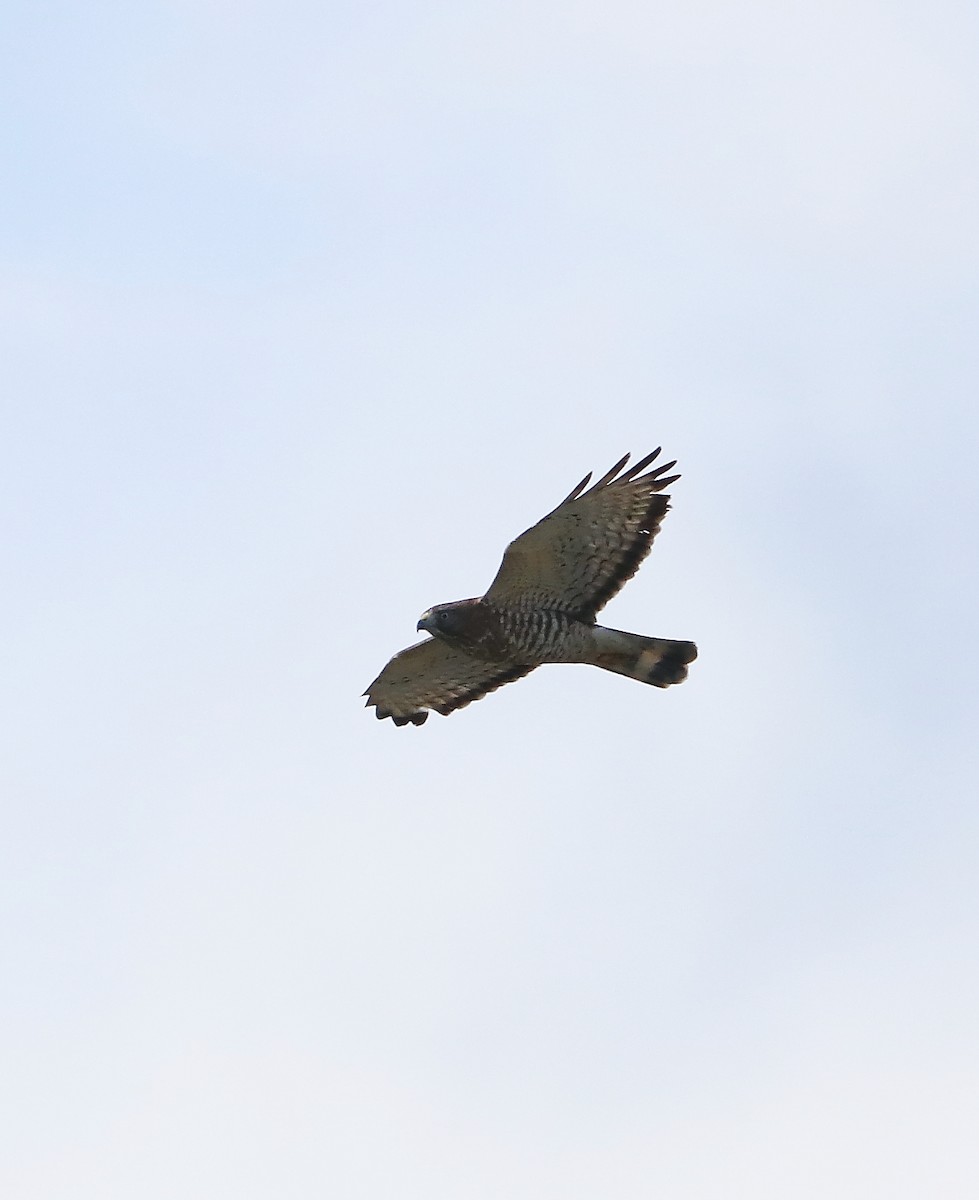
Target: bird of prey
x: 541, y: 607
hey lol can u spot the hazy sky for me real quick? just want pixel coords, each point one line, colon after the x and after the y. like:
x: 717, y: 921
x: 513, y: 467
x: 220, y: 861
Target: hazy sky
x: 307, y: 309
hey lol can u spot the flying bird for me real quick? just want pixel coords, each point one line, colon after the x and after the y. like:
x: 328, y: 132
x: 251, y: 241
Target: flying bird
x: 541, y: 607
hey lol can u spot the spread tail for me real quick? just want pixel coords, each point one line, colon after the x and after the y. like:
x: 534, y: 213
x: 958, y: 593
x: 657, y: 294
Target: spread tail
x: 658, y: 661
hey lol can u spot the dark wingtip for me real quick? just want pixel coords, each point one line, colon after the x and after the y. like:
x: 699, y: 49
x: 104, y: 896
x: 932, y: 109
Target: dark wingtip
x: 418, y: 718
x: 576, y: 492
x: 382, y: 714
x: 638, y: 467
x: 610, y: 475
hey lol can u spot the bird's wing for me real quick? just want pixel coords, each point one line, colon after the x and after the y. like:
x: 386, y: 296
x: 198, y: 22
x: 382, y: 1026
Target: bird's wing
x: 431, y: 674
x: 578, y: 556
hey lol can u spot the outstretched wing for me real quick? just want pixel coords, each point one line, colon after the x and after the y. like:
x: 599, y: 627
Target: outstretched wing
x: 578, y: 556
x: 431, y: 674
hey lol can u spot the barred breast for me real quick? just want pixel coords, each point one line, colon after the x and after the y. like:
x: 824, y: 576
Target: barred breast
x: 543, y: 635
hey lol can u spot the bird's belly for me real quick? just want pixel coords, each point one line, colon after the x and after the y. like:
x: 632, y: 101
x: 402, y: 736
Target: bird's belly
x: 545, y: 636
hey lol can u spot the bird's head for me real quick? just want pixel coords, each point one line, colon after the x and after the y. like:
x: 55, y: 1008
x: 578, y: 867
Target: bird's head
x: 449, y: 622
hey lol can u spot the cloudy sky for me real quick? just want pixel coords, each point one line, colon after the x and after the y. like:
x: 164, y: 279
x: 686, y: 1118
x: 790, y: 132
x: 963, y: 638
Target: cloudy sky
x: 307, y: 309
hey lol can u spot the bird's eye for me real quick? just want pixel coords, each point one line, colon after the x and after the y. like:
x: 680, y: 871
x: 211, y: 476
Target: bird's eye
x: 443, y: 619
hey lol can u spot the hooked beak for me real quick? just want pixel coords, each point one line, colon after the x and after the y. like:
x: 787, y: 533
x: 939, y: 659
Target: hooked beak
x: 424, y: 622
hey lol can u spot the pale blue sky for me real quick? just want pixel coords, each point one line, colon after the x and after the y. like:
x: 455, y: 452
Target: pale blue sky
x: 306, y: 311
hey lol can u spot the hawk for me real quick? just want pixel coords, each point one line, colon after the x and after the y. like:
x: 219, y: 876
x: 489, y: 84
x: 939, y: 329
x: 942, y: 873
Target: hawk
x: 541, y: 607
